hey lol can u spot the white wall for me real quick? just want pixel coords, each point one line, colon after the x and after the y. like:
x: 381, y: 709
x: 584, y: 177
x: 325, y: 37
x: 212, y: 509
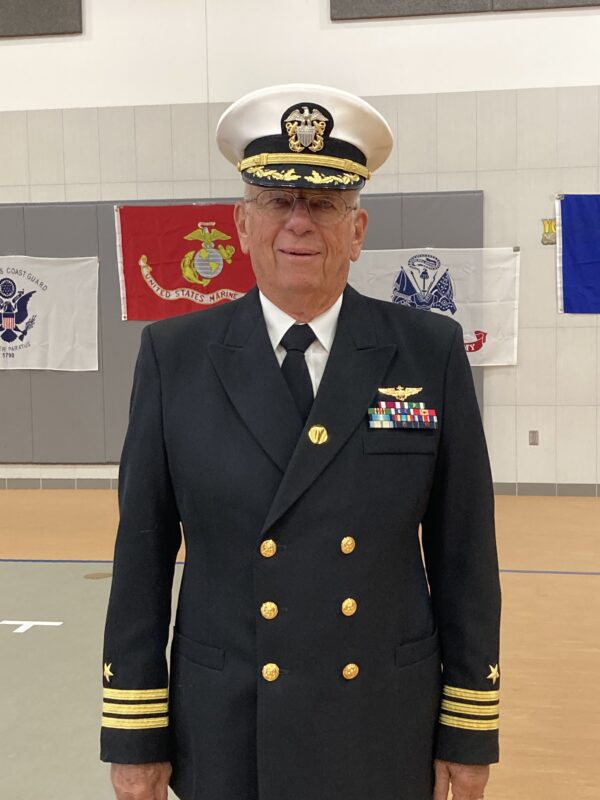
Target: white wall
x: 152, y: 52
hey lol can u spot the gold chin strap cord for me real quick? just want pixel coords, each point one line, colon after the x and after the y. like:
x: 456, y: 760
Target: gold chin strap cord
x: 344, y: 164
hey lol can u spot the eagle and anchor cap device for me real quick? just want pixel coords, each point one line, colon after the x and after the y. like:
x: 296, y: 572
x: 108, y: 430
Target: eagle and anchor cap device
x: 305, y: 136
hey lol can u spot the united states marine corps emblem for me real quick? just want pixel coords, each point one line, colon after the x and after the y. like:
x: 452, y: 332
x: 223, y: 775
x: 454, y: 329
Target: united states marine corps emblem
x: 201, y: 266
x: 306, y: 129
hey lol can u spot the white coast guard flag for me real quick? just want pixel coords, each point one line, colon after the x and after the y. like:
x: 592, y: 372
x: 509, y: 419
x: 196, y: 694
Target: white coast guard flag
x: 477, y: 287
x: 48, y: 313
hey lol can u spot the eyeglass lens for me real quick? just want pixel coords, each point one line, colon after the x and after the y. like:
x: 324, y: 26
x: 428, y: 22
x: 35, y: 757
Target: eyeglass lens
x: 322, y: 208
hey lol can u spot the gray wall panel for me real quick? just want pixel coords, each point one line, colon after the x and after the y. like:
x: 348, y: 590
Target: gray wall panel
x: 16, y: 439
x: 384, y: 231
x: 16, y: 442
x: 40, y: 17
x: 377, y: 9
x: 12, y: 230
x: 68, y: 418
x: 67, y: 408
x: 61, y: 231
x: 443, y: 219
x: 121, y: 339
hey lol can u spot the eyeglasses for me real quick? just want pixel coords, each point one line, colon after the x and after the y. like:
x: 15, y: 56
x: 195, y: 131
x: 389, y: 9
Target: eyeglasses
x: 278, y: 205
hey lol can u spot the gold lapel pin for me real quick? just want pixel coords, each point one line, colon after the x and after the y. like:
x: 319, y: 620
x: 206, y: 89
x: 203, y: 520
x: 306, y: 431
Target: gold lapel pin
x: 318, y: 434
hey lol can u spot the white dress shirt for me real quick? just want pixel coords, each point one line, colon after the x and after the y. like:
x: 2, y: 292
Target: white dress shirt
x: 324, y: 327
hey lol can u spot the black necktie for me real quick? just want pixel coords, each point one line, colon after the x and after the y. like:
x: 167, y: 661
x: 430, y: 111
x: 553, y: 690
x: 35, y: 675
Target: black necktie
x: 296, y: 341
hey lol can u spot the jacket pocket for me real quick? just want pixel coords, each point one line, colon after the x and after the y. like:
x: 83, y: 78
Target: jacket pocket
x: 399, y: 441
x: 203, y: 654
x: 413, y: 652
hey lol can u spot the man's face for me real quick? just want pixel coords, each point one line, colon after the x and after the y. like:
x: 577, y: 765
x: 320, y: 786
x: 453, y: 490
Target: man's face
x: 295, y: 259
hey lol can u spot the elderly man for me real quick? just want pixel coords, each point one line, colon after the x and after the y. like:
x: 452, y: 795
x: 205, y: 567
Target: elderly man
x: 317, y: 655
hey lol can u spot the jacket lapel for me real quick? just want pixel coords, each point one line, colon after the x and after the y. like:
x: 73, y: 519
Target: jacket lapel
x: 355, y: 368
x: 251, y: 377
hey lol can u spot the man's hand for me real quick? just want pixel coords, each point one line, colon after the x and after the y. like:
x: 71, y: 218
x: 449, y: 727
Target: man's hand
x: 467, y: 780
x: 141, y: 781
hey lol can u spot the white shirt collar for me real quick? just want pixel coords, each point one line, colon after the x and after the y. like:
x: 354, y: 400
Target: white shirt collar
x: 278, y: 322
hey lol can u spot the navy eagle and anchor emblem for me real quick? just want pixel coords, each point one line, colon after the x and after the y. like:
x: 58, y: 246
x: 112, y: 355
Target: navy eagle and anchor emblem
x: 13, y: 312
x: 306, y: 129
x: 422, y: 284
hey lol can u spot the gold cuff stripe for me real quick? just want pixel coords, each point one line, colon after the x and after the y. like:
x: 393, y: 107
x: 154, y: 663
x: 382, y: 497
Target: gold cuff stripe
x: 344, y: 164
x: 465, y: 708
x: 135, y: 709
x: 136, y: 694
x: 135, y: 724
x: 469, y: 724
x: 471, y: 694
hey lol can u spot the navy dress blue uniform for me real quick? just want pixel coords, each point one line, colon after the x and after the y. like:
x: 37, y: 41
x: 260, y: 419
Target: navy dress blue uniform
x: 318, y: 651
x: 276, y: 691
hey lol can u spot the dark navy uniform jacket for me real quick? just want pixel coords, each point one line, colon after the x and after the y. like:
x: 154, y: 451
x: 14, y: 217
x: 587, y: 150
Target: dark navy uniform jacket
x: 318, y: 652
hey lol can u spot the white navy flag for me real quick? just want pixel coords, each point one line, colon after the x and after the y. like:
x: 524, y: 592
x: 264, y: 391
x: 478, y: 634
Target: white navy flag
x: 48, y: 313
x: 478, y: 287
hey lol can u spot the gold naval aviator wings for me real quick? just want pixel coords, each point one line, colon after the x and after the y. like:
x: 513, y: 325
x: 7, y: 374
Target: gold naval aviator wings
x: 400, y: 393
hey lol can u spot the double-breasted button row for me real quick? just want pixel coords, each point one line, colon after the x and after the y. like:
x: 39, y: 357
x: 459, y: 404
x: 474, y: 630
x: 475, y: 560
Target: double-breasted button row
x: 268, y: 547
x: 270, y: 672
x: 269, y: 609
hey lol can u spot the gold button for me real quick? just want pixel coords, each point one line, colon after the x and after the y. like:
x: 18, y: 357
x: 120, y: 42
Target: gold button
x: 318, y: 434
x: 347, y: 544
x: 268, y: 548
x: 349, y: 607
x: 350, y: 671
x: 270, y: 672
x: 269, y: 610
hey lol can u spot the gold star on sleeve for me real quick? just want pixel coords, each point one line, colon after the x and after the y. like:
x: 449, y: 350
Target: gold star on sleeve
x: 494, y: 674
x: 108, y: 674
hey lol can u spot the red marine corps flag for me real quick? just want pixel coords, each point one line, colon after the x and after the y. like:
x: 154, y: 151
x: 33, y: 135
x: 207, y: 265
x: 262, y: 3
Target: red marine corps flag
x: 177, y: 259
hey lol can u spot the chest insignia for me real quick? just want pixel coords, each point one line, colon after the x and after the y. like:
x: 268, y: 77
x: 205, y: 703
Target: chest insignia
x: 400, y: 393
x: 402, y: 415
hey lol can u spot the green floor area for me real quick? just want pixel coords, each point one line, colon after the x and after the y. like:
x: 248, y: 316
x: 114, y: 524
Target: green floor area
x: 50, y: 678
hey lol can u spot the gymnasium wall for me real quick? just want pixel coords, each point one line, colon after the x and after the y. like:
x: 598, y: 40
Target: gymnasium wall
x: 457, y: 92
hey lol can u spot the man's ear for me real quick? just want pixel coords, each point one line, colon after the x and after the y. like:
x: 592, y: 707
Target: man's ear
x: 241, y: 223
x: 361, y: 220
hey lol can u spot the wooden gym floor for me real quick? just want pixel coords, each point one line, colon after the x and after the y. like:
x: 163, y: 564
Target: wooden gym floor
x: 550, y: 559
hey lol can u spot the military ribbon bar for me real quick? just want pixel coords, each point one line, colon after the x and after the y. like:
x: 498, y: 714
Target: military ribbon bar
x: 402, y: 415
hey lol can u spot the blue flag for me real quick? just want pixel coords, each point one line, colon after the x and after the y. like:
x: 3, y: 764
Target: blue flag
x: 578, y: 253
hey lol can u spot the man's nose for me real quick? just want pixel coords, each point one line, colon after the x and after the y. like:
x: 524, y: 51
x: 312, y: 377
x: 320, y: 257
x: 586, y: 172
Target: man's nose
x: 299, y: 219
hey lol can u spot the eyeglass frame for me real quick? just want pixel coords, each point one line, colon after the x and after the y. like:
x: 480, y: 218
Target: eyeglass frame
x: 306, y: 199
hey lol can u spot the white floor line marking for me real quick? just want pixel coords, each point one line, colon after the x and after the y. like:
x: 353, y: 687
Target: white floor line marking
x: 25, y: 625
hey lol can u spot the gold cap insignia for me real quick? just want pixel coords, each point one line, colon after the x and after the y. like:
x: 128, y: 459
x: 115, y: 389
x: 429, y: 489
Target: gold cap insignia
x: 305, y: 129
x: 401, y: 393
x: 108, y: 674
x: 494, y: 674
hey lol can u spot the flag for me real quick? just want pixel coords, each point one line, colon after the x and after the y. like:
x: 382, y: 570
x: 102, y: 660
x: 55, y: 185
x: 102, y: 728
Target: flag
x: 476, y: 287
x: 578, y: 253
x: 48, y: 313
x: 177, y: 259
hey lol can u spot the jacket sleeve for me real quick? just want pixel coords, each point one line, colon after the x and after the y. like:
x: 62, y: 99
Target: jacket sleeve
x: 462, y: 568
x: 135, y: 704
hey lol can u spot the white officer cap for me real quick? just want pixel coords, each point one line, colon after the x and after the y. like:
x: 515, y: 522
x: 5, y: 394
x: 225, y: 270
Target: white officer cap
x: 305, y: 136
